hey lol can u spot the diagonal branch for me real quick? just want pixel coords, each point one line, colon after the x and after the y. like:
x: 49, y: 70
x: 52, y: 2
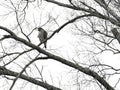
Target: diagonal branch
x: 4, y: 71
x: 65, y: 24
x: 108, y: 9
x: 86, y: 71
x: 94, y: 12
x: 70, y: 6
x: 70, y: 21
x: 25, y: 69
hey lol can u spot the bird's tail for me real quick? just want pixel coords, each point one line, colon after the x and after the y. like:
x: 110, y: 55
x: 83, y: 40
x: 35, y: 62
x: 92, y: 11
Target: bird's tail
x: 45, y: 44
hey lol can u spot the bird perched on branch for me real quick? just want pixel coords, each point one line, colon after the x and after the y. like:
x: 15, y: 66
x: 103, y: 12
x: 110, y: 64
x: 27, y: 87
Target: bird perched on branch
x: 42, y: 35
x: 116, y: 34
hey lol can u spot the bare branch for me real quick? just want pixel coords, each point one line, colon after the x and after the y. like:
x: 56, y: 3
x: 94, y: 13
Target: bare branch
x: 4, y: 71
x: 70, y: 21
x: 93, y: 12
x: 24, y: 70
x: 62, y: 60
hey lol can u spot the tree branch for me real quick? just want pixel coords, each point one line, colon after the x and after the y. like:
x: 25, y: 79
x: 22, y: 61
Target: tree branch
x: 25, y: 69
x: 62, y: 60
x: 70, y: 21
x: 93, y: 12
x: 4, y: 71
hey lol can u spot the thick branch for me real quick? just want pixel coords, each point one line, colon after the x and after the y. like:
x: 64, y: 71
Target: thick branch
x: 68, y: 6
x: 93, y: 12
x: 64, y: 61
x: 4, y: 71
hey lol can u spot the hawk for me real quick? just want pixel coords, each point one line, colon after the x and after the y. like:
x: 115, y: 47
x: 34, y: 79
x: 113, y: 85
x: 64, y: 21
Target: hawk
x: 42, y: 35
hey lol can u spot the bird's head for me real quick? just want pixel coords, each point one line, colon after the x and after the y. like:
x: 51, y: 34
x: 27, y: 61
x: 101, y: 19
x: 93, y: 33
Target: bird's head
x: 39, y: 29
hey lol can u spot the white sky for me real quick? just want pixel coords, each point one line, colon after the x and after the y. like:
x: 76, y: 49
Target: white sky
x: 61, y: 41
